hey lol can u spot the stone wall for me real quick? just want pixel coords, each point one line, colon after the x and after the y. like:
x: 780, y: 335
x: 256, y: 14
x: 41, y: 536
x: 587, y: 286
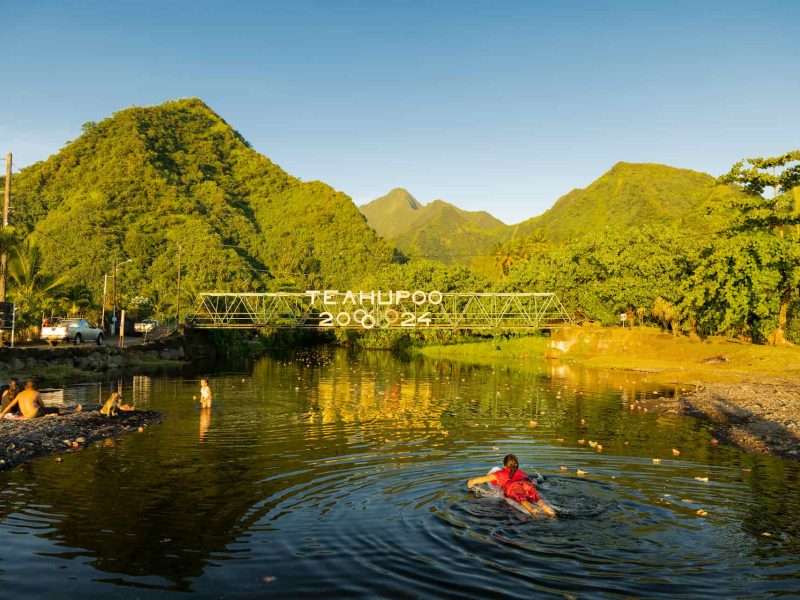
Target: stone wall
x: 90, y: 357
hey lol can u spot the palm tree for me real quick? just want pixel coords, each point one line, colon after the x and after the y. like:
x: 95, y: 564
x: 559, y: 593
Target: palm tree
x: 32, y: 288
x: 667, y: 314
x: 504, y: 255
x: 75, y: 298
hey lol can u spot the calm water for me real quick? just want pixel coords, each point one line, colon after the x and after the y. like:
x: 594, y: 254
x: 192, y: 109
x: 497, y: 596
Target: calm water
x: 336, y: 474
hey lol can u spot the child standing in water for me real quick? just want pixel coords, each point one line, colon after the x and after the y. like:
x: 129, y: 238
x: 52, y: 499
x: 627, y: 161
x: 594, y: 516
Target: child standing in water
x: 517, y: 486
x: 205, y: 394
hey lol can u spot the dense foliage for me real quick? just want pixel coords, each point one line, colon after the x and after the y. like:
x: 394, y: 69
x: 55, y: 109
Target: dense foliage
x: 629, y: 195
x: 140, y: 188
x: 116, y: 212
x: 740, y: 278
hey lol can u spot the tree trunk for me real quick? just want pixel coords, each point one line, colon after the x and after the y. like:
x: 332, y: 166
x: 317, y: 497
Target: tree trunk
x: 777, y: 337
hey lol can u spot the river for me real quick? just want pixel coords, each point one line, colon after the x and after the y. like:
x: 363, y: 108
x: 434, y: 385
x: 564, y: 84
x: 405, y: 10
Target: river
x: 335, y: 473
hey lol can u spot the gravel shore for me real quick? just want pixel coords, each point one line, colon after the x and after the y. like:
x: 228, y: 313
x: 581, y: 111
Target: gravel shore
x: 23, y: 440
x: 757, y: 416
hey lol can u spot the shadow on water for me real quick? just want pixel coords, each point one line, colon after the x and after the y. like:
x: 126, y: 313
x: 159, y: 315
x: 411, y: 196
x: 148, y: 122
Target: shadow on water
x: 343, y: 473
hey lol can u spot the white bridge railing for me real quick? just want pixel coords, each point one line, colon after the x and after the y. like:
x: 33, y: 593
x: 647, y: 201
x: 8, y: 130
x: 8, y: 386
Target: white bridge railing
x: 378, y: 310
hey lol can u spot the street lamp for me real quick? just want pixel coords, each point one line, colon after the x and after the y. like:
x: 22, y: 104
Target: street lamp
x: 114, y: 305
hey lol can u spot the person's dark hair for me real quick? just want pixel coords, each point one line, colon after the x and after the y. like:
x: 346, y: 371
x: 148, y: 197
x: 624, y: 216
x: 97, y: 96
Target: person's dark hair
x: 511, y: 463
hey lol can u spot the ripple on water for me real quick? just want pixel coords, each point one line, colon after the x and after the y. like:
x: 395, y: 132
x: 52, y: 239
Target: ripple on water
x: 342, y: 478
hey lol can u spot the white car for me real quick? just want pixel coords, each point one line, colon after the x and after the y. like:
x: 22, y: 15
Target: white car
x: 76, y: 331
x: 145, y: 326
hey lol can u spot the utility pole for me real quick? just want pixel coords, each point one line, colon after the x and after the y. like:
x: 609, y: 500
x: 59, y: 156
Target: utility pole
x: 114, y: 303
x: 103, y: 312
x: 6, y: 203
x: 178, y: 303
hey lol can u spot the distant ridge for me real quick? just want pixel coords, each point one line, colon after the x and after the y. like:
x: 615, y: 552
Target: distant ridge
x: 628, y: 195
x: 437, y: 230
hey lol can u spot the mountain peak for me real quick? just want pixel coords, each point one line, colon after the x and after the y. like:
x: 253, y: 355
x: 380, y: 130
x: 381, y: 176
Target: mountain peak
x: 392, y: 213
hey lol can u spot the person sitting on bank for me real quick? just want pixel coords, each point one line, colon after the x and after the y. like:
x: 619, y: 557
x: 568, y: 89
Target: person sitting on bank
x: 9, y: 395
x: 31, y: 405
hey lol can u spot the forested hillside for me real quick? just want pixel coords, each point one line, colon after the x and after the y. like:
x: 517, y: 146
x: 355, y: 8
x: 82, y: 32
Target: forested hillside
x: 145, y: 181
x: 631, y: 194
x: 390, y: 215
x: 149, y: 187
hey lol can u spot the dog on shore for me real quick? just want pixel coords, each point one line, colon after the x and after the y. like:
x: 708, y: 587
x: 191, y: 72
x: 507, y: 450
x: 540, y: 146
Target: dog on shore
x: 112, y: 405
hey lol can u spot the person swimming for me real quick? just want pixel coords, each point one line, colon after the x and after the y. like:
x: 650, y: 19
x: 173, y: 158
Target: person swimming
x: 516, y: 485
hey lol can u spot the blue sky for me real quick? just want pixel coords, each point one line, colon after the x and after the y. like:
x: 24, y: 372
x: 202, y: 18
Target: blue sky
x: 498, y: 106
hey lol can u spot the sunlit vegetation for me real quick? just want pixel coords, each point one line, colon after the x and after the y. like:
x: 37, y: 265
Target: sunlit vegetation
x: 153, y: 193
x: 740, y: 277
x: 136, y: 190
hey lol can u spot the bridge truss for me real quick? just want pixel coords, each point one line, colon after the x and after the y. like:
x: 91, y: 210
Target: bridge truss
x: 531, y: 311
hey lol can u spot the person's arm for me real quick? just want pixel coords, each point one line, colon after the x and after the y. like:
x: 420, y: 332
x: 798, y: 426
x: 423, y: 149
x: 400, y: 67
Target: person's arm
x: 479, y: 480
x: 11, y: 405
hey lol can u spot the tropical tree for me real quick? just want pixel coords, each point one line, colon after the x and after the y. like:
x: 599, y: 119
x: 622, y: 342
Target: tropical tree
x: 32, y: 289
x: 504, y: 255
x: 75, y: 299
x: 515, y: 250
x: 751, y: 272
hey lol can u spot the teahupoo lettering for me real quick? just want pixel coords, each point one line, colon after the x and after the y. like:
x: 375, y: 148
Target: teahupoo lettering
x: 373, y: 298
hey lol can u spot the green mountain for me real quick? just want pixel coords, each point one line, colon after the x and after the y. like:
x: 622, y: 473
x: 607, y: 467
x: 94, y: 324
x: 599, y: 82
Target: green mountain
x: 136, y: 186
x: 437, y: 230
x: 390, y: 215
x: 447, y: 233
x: 630, y: 195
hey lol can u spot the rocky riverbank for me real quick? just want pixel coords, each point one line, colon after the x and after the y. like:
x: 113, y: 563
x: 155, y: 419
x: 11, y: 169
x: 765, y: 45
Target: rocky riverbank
x: 757, y: 416
x: 750, y: 393
x: 23, y: 440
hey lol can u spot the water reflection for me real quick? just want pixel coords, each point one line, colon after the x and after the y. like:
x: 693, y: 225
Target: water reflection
x: 205, y: 421
x: 342, y: 473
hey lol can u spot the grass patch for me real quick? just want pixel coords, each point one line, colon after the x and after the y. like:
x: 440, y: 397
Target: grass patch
x: 678, y: 359
x: 491, y: 351
x: 665, y: 358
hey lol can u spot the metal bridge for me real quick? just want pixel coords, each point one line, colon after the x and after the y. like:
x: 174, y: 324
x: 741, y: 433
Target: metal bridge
x: 378, y: 310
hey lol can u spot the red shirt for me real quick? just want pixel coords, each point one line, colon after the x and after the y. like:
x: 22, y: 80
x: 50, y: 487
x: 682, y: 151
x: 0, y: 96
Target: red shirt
x: 502, y: 477
x: 519, y: 488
